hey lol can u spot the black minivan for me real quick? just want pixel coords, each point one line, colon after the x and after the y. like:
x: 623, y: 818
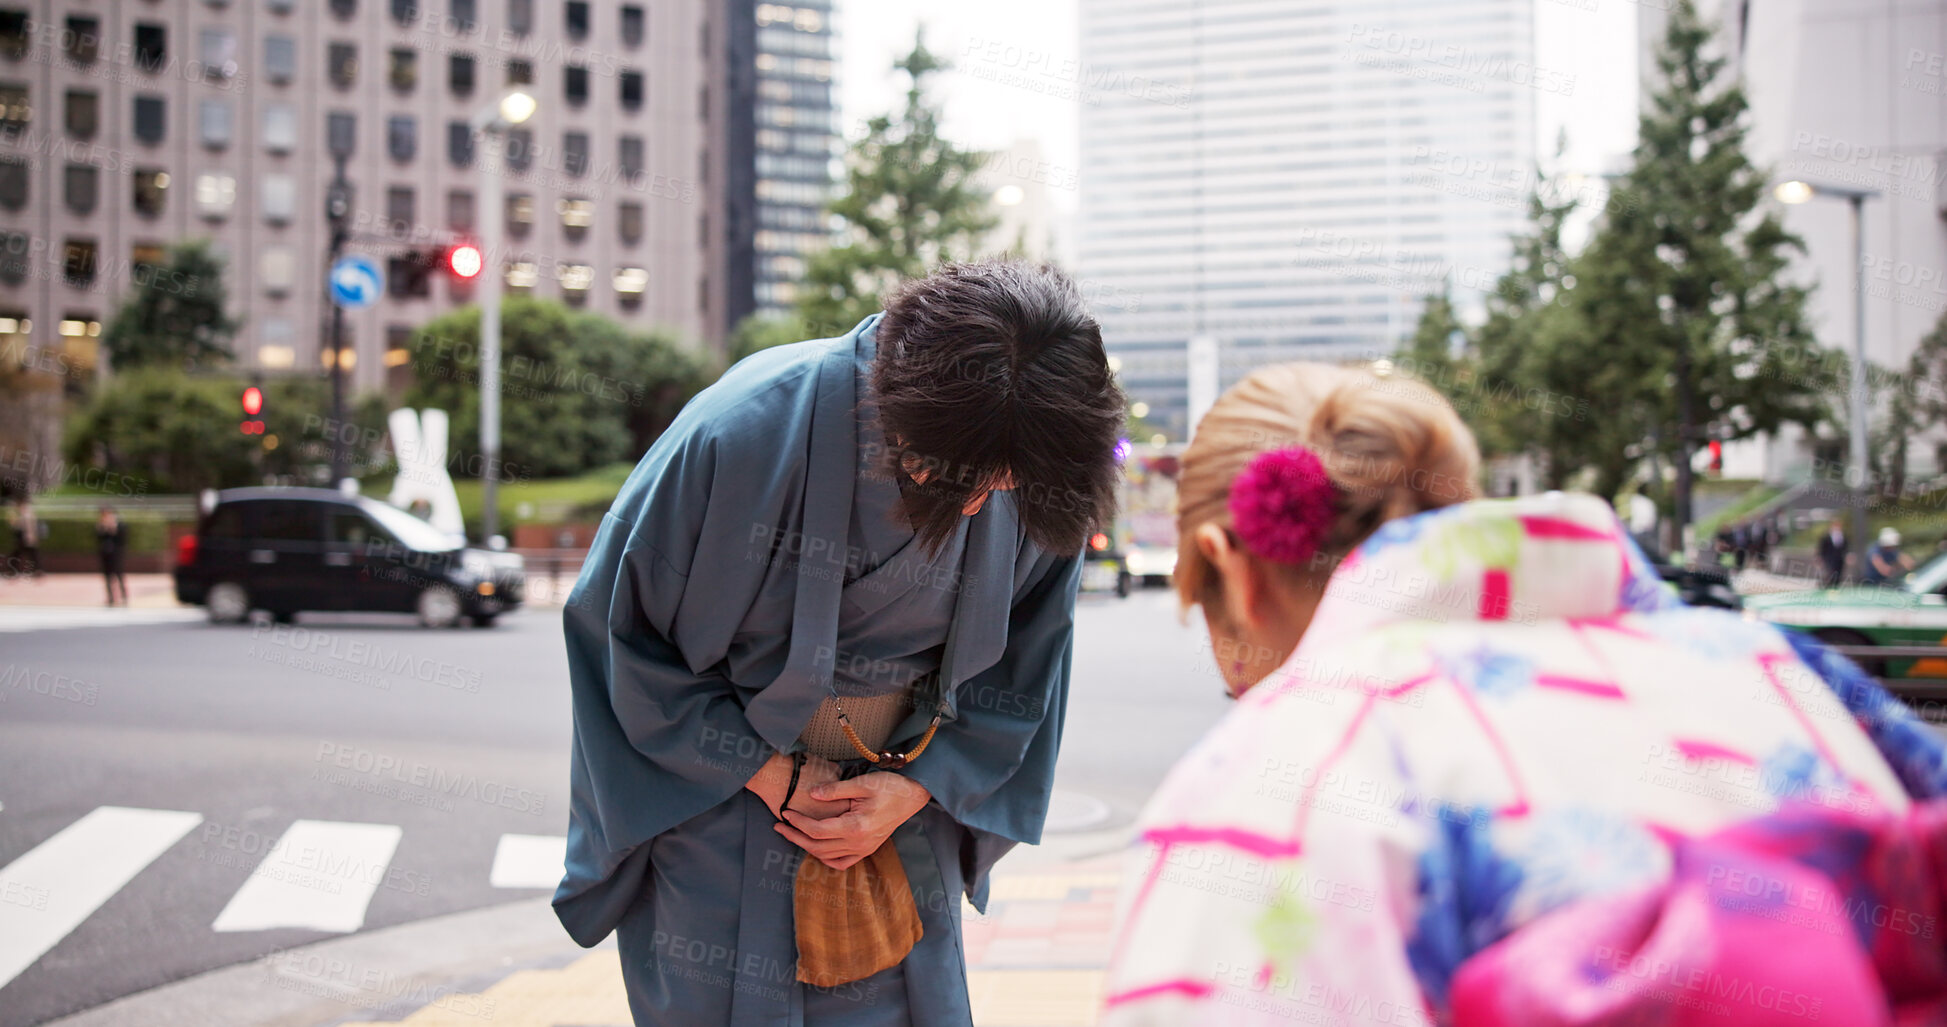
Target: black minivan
x: 290, y: 550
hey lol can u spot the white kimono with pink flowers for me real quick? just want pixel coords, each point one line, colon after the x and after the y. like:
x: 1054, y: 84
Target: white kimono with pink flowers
x: 1497, y: 712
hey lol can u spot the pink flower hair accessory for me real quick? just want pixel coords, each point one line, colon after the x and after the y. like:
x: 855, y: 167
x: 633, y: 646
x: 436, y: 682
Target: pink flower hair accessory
x: 1283, y: 505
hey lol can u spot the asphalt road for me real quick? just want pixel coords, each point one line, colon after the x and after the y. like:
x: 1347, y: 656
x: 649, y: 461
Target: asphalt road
x: 392, y: 761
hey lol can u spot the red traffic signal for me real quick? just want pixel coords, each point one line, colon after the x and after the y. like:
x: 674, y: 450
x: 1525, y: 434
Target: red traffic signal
x: 252, y: 427
x: 465, y: 261
x: 253, y: 401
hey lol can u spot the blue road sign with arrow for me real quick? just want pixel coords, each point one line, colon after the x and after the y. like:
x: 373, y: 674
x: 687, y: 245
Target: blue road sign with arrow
x: 356, y: 282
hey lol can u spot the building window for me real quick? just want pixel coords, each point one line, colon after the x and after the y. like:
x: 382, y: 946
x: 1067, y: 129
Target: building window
x: 520, y: 16
x: 520, y: 214
x: 151, y: 45
x: 281, y: 6
x: 82, y: 113
x: 81, y: 187
x: 280, y: 128
x: 216, y: 193
x: 280, y: 58
x: 215, y: 122
x: 520, y: 73
x: 459, y: 143
x: 151, y: 191
x: 81, y: 324
x: 405, y: 12
x: 148, y: 254
x: 577, y: 18
x: 13, y: 270
x: 574, y: 85
x: 399, y: 213
x: 401, y: 137
x: 629, y: 155
x: 577, y: 214
x: 277, y: 269
x: 459, y: 74
x: 275, y: 347
x: 632, y: 24
x: 78, y: 260
x: 344, y: 9
x: 402, y: 69
x: 16, y: 113
x: 629, y: 284
x: 82, y: 44
x: 520, y: 148
x: 459, y: 210
x: 13, y: 182
x: 574, y: 153
x: 219, y: 53
x: 151, y: 119
x: 341, y: 60
x: 632, y: 90
x: 628, y: 223
x: 575, y: 280
x: 278, y: 197
x: 15, y: 33
x: 341, y: 133
x: 466, y: 16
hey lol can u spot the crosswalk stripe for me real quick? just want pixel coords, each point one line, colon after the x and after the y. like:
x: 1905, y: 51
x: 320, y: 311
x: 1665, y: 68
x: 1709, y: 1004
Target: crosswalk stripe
x: 46, y: 618
x: 320, y: 875
x: 54, y: 886
x: 528, y: 861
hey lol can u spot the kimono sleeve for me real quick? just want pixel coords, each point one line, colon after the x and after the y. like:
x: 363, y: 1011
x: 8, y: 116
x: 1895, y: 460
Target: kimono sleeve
x: 992, y: 767
x: 658, y: 738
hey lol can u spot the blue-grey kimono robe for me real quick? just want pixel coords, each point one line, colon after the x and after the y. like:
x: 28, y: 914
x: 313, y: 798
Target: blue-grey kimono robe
x: 734, y: 527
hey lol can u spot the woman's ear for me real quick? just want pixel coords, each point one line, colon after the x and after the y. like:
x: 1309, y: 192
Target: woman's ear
x: 1243, y: 582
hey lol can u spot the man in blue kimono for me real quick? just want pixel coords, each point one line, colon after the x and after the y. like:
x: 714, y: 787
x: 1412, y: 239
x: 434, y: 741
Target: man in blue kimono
x: 845, y: 552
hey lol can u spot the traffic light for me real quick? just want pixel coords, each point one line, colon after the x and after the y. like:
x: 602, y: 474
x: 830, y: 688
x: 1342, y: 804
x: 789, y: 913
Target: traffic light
x: 253, y: 406
x: 465, y: 261
x: 1716, y: 456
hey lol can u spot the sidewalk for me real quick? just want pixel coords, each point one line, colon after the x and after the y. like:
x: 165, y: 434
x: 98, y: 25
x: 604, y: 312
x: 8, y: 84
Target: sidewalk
x: 1037, y: 959
x: 145, y: 591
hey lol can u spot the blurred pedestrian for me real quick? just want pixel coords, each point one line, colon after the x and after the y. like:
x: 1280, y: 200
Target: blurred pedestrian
x: 29, y: 529
x: 1885, y: 564
x: 1481, y: 799
x: 1832, y: 555
x: 111, y: 544
x: 1740, y: 543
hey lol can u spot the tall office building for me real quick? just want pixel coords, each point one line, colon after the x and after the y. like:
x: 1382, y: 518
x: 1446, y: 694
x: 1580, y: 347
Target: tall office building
x: 129, y: 127
x: 1288, y: 180
x: 783, y: 142
x: 1851, y: 93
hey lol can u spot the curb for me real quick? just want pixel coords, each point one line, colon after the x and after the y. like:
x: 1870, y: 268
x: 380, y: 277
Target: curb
x: 381, y: 974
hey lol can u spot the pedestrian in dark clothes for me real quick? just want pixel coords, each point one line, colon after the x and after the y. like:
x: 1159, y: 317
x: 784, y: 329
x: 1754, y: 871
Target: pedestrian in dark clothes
x: 111, y: 544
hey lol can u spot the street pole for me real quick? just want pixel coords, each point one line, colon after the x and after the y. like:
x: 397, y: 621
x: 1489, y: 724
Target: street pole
x: 1860, y: 483
x: 338, y: 213
x: 491, y: 213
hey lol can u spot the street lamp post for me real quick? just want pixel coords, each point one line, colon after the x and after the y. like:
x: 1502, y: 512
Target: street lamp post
x: 1796, y: 192
x: 492, y: 123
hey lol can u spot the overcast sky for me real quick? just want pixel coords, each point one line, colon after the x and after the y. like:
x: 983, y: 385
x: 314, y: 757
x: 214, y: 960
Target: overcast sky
x: 1598, y: 46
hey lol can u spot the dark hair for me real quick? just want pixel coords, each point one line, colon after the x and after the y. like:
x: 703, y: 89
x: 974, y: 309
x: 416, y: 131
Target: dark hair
x: 995, y: 369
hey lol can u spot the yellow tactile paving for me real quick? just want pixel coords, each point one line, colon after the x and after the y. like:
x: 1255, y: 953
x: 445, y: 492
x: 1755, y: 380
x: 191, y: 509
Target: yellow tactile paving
x: 1036, y: 998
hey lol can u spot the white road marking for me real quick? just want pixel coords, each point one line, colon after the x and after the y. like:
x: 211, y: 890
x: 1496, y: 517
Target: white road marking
x: 320, y: 875
x: 528, y: 861
x: 51, y: 888
x: 48, y: 618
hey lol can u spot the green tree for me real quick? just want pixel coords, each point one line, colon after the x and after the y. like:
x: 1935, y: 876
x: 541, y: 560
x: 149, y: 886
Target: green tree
x: 175, y: 432
x: 578, y: 390
x: 1683, y: 303
x: 173, y: 315
x: 910, y: 203
x: 1917, y: 404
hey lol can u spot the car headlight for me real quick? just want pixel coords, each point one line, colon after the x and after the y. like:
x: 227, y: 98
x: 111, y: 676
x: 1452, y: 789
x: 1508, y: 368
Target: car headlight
x: 477, y: 564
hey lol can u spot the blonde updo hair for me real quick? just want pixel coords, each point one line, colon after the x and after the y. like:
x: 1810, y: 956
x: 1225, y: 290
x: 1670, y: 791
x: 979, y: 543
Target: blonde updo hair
x: 1393, y: 447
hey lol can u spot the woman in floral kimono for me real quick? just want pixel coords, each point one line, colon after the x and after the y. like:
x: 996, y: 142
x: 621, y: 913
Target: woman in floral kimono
x: 1484, y: 768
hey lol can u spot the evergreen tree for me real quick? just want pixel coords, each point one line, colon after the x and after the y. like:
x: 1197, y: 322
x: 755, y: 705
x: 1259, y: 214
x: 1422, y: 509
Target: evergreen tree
x: 911, y: 202
x: 173, y: 315
x: 1684, y: 310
